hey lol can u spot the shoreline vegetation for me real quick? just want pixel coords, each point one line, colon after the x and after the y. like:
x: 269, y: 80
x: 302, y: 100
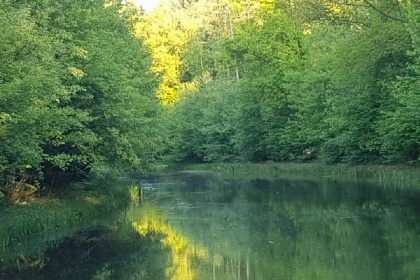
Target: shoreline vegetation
x: 397, y: 176
x: 54, y: 214
x: 105, y: 194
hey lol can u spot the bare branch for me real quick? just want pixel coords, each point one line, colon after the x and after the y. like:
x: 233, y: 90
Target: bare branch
x: 382, y: 13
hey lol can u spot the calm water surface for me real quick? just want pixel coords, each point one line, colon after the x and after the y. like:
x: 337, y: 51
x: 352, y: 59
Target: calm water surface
x: 201, y: 226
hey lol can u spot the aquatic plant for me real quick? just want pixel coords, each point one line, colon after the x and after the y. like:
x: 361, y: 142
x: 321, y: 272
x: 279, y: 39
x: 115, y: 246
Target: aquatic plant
x: 135, y: 192
x: 388, y: 176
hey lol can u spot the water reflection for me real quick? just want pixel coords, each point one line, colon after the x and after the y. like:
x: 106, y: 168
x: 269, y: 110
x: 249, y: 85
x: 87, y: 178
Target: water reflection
x: 189, y: 258
x: 297, y: 229
x: 101, y: 253
x: 199, y: 227
x: 148, y: 221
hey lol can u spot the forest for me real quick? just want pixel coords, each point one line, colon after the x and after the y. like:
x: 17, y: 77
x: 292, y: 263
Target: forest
x: 90, y: 83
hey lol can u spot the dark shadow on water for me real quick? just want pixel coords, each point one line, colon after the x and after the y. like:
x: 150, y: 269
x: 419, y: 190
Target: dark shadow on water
x: 95, y: 254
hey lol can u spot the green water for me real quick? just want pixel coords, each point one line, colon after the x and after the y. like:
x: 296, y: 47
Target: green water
x: 201, y: 226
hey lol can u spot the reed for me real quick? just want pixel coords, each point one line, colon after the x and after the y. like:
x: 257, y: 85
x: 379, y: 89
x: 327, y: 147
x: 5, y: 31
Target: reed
x: 135, y: 192
x: 49, y: 215
x: 395, y: 176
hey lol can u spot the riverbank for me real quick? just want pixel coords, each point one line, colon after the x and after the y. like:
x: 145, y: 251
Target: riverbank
x: 70, y: 209
x: 102, y: 196
x: 399, y: 176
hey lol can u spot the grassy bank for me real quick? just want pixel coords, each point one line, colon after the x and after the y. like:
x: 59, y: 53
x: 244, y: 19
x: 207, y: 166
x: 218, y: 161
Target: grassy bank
x: 387, y: 175
x: 54, y: 214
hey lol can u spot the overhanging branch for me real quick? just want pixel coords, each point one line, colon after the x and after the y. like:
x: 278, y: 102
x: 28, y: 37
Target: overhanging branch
x: 382, y: 12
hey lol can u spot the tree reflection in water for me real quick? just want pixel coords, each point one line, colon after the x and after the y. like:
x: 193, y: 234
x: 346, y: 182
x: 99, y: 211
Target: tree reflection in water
x: 217, y: 229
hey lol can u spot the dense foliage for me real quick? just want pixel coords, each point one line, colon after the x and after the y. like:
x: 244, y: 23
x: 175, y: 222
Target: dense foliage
x: 83, y: 83
x: 299, y: 80
x: 75, y: 91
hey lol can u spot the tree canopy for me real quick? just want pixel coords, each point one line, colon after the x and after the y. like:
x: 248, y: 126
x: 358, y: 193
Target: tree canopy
x: 89, y: 82
x: 299, y: 80
x: 75, y: 90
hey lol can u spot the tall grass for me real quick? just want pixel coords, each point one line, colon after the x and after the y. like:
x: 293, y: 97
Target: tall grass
x: 388, y: 176
x: 76, y: 206
x: 136, y: 192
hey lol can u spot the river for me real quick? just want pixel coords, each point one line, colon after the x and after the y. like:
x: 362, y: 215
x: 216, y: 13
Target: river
x: 193, y: 225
